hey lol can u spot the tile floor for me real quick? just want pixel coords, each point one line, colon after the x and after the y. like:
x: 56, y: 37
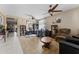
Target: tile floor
x: 32, y: 45
x: 26, y: 45
x: 11, y: 46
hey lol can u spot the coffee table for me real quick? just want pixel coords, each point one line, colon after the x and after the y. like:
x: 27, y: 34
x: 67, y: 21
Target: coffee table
x: 46, y: 41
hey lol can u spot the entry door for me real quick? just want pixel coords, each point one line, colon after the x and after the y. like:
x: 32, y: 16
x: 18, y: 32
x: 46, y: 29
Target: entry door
x: 11, y: 22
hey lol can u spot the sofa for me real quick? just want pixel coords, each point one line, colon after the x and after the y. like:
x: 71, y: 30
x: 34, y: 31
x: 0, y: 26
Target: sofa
x: 69, y: 45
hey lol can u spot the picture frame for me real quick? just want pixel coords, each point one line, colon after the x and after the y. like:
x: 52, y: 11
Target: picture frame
x: 58, y: 20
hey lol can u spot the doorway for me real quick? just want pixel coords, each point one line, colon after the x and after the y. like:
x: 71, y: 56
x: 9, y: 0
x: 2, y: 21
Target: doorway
x: 11, y: 25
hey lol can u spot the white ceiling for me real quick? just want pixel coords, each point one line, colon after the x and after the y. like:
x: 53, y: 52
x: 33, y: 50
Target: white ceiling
x: 37, y: 10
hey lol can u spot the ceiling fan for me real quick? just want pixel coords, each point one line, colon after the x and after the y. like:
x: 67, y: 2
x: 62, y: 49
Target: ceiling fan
x: 52, y: 9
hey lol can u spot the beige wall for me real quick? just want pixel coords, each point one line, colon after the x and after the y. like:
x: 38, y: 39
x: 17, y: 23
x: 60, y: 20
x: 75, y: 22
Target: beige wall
x: 70, y: 19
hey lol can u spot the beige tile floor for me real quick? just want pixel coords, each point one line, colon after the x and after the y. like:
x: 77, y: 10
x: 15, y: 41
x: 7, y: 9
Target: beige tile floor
x: 32, y: 45
x: 11, y: 46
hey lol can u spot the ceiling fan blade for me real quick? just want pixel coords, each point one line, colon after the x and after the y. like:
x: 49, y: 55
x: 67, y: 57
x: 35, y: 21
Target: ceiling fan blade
x: 57, y: 11
x: 54, y: 7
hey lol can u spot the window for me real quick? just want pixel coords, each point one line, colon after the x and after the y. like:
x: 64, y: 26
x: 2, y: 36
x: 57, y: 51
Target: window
x: 41, y: 24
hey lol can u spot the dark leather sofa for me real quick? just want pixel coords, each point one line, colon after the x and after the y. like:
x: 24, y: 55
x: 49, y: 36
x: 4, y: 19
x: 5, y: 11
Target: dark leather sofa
x: 69, y: 45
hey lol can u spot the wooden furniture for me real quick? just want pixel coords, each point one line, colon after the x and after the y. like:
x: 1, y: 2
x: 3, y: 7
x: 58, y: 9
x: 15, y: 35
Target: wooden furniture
x: 46, y: 41
x: 64, y: 31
